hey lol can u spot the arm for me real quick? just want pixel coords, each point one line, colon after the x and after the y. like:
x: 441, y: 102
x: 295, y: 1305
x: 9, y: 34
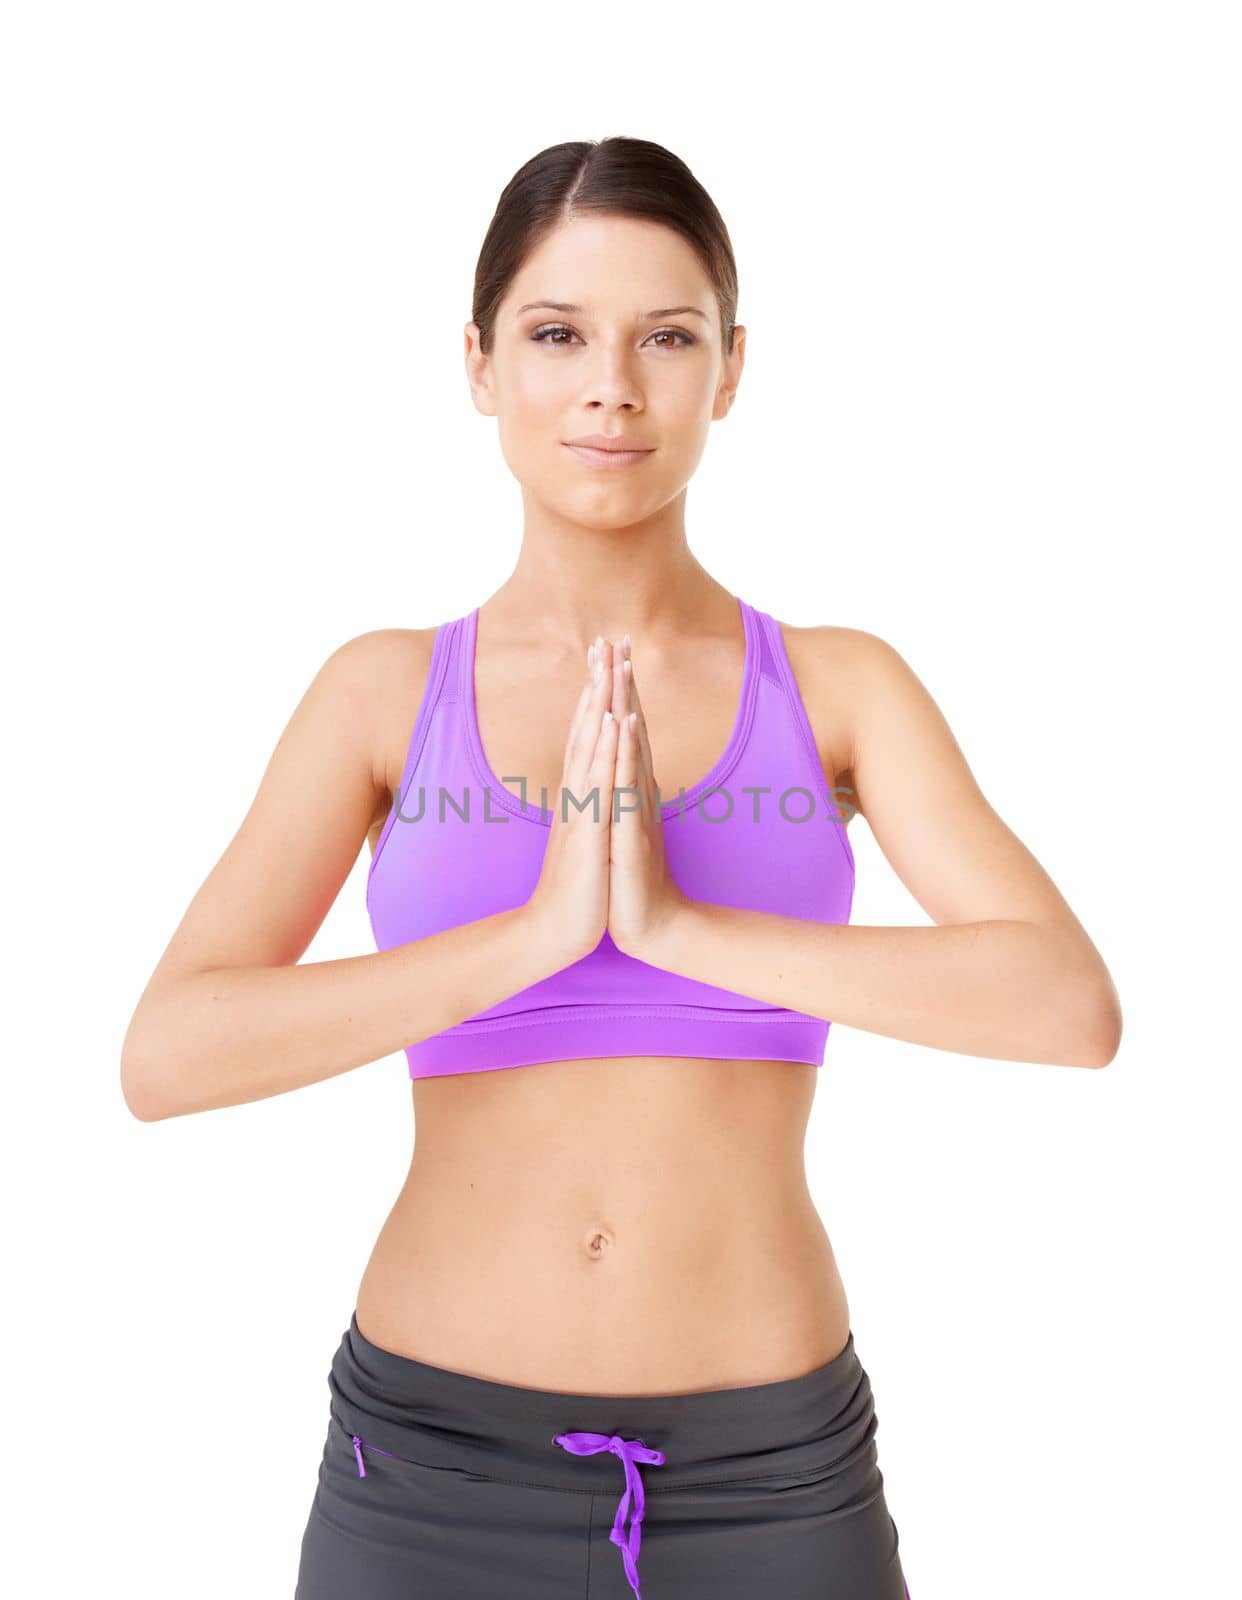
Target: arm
x: 1008, y: 972
x: 228, y: 1016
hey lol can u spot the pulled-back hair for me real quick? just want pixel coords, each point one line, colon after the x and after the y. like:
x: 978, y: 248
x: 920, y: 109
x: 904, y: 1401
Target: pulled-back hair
x: 601, y: 177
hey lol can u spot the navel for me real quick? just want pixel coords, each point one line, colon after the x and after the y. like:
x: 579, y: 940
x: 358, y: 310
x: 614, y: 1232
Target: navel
x: 598, y: 1242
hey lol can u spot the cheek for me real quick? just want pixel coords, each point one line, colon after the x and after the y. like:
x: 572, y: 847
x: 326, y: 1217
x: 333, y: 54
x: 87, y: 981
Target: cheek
x: 528, y: 432
x: 686, y: 453
x: 697, y: 387
x: 532, y: 388
x: 679, y: 406
x: 531, y: 410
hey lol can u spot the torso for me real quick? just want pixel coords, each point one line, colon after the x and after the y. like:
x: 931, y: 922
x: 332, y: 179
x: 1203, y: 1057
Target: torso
x: 616, y: 1225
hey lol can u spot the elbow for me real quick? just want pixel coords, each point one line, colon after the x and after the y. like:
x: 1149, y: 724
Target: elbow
x: 1098, y: 1027
x: 140, y: 1080
x: 1109, y: 1041
x: 139, y: 1093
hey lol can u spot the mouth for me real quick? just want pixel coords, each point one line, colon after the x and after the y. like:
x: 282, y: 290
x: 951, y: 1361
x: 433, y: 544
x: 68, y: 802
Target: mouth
x: 608, y: 458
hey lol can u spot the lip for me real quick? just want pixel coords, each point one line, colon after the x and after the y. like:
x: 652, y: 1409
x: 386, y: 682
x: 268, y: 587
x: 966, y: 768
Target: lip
x: 608, y: 441
x: 609, y: 449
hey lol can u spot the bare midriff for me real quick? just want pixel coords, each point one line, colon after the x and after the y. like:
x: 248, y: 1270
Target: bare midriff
x: 610, y: 1226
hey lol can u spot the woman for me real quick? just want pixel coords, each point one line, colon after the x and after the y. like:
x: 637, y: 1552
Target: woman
x: 603, y: 1305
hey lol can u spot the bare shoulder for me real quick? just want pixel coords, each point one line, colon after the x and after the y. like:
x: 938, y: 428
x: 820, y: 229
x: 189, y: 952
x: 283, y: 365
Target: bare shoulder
x: 385, y: 672
x: 832, y: 665
x: 901, y: 749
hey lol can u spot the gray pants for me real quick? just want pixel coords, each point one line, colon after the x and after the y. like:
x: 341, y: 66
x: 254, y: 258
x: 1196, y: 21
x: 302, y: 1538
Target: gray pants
x: 434, y: 1485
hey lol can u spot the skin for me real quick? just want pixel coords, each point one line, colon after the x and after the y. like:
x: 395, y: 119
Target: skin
x: 615, y: 1225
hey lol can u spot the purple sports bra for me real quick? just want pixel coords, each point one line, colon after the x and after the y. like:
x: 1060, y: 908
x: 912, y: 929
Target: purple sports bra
x: 761, y: 830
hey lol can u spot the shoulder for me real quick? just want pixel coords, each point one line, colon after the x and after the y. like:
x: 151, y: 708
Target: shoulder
x: 370, y: 657
x: 855, y: 662
x: 820, y: 646
x: 843, y: 674
x: 377, y: 680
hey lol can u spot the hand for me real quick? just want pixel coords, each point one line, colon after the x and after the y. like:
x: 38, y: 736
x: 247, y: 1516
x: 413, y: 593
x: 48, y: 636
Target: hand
x: 642, y: 895
x: 570, y: 901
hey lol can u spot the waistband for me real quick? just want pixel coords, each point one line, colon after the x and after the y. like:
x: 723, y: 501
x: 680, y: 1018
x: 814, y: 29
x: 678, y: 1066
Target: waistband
x: 808, y: 1426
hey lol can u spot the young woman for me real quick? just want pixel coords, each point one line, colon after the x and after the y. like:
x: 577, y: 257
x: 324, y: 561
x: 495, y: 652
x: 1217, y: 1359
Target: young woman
x: 610, y: 885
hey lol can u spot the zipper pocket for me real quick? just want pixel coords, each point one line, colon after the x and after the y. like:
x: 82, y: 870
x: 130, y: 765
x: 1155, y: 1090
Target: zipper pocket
x: 360, y: 1445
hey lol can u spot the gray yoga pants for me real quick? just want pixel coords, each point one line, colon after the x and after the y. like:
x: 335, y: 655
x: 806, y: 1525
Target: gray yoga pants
x: 435, y: 1485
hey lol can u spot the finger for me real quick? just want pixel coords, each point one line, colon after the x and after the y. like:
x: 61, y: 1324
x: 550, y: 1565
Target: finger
x: 586, y: 732
x: 598, y: 688
x: 628, y: 778
x: 572, y: 737
x: 645, y: 760
x: 584, y: 699
x: 601, y: 774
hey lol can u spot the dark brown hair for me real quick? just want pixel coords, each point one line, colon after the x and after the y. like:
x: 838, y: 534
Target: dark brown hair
x: 601, y: 177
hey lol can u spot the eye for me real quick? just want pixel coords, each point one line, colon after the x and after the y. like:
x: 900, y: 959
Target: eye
x: 543, y: 336
x: 540, y: 335
x: 677, y: 334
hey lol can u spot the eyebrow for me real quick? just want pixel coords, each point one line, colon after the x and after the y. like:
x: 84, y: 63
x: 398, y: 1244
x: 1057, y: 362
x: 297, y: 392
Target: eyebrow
x: 646, y: 316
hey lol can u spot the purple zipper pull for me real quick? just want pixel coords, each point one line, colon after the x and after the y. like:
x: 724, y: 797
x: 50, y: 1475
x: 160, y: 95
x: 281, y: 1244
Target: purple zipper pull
x: 362, y: 1471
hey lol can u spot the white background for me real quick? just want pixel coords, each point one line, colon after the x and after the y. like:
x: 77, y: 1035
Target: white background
x: 989, y: 266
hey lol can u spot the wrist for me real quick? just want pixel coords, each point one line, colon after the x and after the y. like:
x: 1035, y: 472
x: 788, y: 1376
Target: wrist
x: 670, y: 932
x: 544, y: 931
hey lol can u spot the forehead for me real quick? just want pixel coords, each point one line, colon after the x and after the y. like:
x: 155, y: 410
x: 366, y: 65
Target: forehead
x: 599, y: 261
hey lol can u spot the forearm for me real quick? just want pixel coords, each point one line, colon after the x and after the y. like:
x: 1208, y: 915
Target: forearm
x: 233, y: 1035
x: 1015, y: 991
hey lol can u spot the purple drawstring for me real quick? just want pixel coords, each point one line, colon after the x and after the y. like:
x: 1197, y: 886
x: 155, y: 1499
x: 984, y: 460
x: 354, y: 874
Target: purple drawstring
x: 631, y: 1452
x: 590, y: 1444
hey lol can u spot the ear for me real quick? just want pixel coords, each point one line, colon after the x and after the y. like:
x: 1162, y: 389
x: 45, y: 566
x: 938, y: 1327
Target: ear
x: 731, y: 374
x: 479, y: 371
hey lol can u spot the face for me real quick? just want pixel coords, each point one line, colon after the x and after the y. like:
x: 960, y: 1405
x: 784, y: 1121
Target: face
x: 607, y: 366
